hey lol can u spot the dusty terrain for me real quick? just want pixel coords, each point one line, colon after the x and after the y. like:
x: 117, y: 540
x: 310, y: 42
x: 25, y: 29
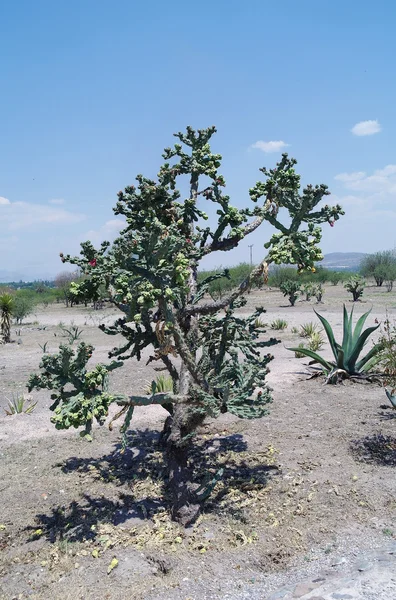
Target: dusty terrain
x: 308, y: 489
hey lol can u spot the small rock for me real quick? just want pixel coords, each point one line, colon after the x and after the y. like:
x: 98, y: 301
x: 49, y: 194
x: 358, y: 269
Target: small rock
x: 363, y: 566
x: 338, y: 560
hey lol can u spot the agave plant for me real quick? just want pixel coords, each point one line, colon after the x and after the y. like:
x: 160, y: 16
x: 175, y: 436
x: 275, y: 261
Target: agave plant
x: 6, y: 308
x: 346, y: 361
x: 18, y: 405
x: 163, y: 383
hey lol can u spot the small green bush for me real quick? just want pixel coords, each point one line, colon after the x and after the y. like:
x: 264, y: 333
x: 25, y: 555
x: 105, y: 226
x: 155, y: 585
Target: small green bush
x: 17, y: 405
x: 315, y: 341
x: 280, y: 275
x: 163, y: 383
x: 23, y: 306
x: 299, y: 354
x: 355, y: 286
x: 308, y: 329
x: 279, y: 324
x: 291, y: 289
x: 307, y: 289
x: 225, y: 280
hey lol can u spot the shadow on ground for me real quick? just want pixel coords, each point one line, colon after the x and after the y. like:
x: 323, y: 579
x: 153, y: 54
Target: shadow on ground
x: 378, y: 449
x: 139, y: 474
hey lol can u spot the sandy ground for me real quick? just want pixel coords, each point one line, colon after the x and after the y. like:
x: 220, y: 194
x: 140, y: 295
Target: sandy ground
x: 308, y: 485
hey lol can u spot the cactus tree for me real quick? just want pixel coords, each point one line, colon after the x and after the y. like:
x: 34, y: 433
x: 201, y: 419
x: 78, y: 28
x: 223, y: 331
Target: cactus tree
x: 212, y: 353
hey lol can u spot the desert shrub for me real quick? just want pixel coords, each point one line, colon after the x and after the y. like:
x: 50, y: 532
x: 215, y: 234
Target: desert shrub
x: 162, y: 383
x: 321, y: 275
x: 220, y: 281
x: 335, y: 277
x: 279, y: 275
x: 346, y: 355
x: 279, y: 324
x: 291, y: 289
x: 318, y: 292
x: 23, y: 306
x: 297, y: 352
x: 150, y: 273
x: 307, y: 289
x: 259, y: 323
x: 387, y: 357
x: 72, y: 332
x: 294, y: 329
x: 390, y: 277
x: 315, y: 341
x: 355, y: 286
x: 19, y: 404
x: 307, y: 329
x: 378, y: 266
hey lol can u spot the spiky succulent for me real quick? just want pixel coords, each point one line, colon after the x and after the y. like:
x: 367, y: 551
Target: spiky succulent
x: 347, y: 361
x: 6, y: 308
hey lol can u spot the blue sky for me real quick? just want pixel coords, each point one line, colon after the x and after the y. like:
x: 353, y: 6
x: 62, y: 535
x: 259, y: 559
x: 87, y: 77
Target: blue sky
x: 92, y: 90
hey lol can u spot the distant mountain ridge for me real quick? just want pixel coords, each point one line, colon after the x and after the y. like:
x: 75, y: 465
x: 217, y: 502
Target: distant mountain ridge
x: 336, y: 261
x: 343, y: 261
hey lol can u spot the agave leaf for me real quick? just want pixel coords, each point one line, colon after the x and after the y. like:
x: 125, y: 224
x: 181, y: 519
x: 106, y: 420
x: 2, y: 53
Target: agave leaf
x: 30, y: 408
x: 340, y: 359
x: 347, y: 336
x: 370, y: 364
x: 369, y: 360
x: 328, y: 366
x: 391, y: 398
x: 329, y: 333
x: 358, y: 347
x: 359, y: 327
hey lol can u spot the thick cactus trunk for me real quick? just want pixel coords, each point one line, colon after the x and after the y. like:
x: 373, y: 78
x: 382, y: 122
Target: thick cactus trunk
x: 179, y: 427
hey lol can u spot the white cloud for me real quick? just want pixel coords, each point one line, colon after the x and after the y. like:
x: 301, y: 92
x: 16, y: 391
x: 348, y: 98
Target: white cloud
x: 373, y: 194
x: 269, y: 147
x: 350, y: 177
x: 109, y: 231
x: 381, y: 182
x: 26, y: 215
x: 366, y: 128
x: 56, y: 201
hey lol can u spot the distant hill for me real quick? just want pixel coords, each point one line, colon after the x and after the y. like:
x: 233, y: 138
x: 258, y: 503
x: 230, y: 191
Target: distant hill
x: 342, y: 261
x: 6, y: 276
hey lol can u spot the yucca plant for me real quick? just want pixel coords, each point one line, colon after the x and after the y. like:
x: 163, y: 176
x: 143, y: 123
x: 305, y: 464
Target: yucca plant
x: 298, y: 353
x: 6, y: 307
x: 17, y: 405
x: 259, y: 323
x: 162, y: 384
x: 315, y: 341
x: 308, y: 329
x: 279, y: 324
x: 346, y: 355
